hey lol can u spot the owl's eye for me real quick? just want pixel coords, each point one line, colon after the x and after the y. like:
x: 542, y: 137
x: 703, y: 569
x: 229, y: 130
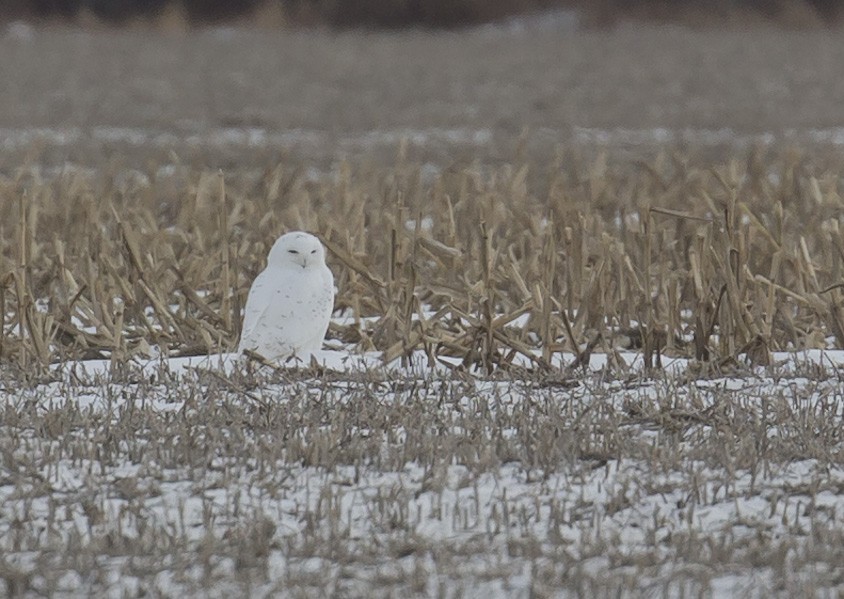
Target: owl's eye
x: 313, y: 251
x: 293, y: 251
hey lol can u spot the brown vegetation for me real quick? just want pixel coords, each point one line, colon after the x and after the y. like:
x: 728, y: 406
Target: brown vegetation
x: 729, y: 257
x: 145, y: 477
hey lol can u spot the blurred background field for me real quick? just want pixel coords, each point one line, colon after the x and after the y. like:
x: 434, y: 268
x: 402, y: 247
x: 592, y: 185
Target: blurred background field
x: 81, y: 94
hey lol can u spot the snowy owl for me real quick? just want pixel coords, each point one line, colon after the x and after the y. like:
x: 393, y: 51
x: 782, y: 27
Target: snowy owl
x: 291, y: 301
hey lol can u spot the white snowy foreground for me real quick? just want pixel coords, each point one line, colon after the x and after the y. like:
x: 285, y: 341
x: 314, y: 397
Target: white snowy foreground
x: 209, y: 477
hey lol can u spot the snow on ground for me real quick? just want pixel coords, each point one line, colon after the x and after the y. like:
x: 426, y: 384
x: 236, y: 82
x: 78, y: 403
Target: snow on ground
x: 259, y: 137
x: 208, y: 476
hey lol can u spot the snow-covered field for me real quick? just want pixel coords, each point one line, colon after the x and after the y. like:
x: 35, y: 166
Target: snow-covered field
x: 211, y: 477
x: 598, y: 159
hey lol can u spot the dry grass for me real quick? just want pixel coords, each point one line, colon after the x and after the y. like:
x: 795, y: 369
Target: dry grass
x: 419, y: 484
x: 257, y: 480
x: 485, y: 263
x: 502, y: 475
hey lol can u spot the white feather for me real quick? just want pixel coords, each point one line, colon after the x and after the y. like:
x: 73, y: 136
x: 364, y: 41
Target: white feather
x: 291, y: 301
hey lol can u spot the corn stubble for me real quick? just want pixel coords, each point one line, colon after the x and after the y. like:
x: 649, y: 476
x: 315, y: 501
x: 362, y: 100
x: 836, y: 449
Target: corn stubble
x: 709, y: 261
x: 241, y: 483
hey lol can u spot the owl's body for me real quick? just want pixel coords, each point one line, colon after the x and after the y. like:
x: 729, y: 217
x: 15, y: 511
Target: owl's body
x: 291, y: 301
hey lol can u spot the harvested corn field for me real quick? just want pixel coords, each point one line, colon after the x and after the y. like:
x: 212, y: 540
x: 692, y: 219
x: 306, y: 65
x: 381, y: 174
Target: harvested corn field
x: 481, y: 263
x: 579, y: 347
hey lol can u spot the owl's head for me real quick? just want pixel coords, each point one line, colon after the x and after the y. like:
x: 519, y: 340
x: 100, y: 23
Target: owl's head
x: 297, y: 248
